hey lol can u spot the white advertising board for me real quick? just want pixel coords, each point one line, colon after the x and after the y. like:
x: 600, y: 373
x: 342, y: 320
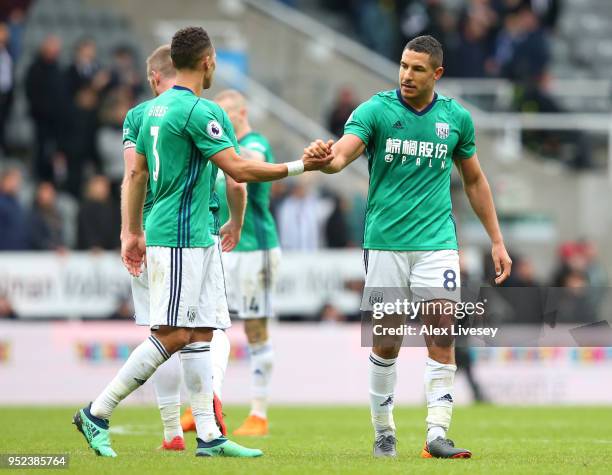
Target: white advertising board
x: 80, y: 284
x: 70, y: 363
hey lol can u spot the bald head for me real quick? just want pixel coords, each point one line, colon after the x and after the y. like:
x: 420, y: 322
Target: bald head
x: 160, y: 70
x: 235, y: 106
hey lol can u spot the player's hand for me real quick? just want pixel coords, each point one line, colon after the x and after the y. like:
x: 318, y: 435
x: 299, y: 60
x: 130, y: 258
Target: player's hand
x: 318, y: 155
x: 230, y: 235
x: 501, y: 261
x: 133, y: 252
x: 319, y: 149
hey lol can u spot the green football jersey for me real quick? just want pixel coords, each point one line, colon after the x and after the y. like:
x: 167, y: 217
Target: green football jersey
x: 259, y: 229
x: 179, y: 133
x: 131, y: 127
x: 410, y: 157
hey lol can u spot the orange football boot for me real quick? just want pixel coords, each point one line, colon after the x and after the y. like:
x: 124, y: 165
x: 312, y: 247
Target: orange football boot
x: 178, y: 443
x: 444, y: 448
x: 253, y: 426
x: 218, y: 407
x: 188, y: 422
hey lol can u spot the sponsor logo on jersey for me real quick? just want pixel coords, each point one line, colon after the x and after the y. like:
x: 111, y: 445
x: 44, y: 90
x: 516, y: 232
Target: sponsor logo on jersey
x: 442, y: 130
x: 423, y: 151
x: 214, y: 129
x: 398, y: 125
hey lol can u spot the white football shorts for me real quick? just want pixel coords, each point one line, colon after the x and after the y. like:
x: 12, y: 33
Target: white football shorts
x: 250, y: 278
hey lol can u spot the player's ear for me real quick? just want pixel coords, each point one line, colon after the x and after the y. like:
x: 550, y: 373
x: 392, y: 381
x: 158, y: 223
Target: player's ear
x: 154, y: 81
x: 208, y: 60
x: 438, y: 72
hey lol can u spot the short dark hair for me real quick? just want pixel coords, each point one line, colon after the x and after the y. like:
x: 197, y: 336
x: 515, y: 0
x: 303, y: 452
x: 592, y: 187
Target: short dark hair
x: 189, y: 46
x: 428, y: 45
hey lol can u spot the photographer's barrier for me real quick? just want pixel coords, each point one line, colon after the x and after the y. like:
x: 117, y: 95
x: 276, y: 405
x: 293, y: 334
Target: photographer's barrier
x: 70, y: 362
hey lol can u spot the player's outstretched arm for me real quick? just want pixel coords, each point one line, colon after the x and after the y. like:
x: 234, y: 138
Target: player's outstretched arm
x: 255, y: 171
x: 133, y: 245
x: 129, y: 155
x: 236, y: 194
x: 344, y: 151
x: 479, y: 193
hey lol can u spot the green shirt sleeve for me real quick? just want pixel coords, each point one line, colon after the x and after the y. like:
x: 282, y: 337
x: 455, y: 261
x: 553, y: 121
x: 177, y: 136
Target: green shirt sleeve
x: 130, y: 134
x: 361, y: 122
x: 140, y: 146
x: 207, y: 132
x: 466, y: 146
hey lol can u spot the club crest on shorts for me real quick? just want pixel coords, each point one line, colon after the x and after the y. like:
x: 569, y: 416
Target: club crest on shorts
x: 214, y: 129
x: 442, y: 130
x: 376, y: 297
x: 191, y: 314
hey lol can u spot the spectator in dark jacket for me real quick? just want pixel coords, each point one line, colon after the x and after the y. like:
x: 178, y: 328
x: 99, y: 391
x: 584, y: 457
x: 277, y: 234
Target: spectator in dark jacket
x: 46, y: 95
x: 46, y: 222
x: 6, y: 84
x: 472, y: 50
x: 336, y: 229
x: 13, y: 218
x: 523, y: 49
x: 86, y: 81
x: 98, y: 220
x: 124, y: 72
x: 343, y: 107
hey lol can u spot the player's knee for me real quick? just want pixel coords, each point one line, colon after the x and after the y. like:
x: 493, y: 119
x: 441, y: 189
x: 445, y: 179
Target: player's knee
x: 443, y: 355
x: 201, y: 334
x: 387, y: 352
x: 444, y: 341
x: 173, y: 338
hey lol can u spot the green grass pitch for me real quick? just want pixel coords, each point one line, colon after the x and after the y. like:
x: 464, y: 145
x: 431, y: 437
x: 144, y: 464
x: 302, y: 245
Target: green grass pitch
x: 312, y: 440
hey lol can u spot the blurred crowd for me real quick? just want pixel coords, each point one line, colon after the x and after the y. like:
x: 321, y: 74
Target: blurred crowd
x: 576, y: 291
x: 61, y: 190
x: 481, y: 38
x: 507, y: 39
x: 67, y: 198
x: 76, y: 111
